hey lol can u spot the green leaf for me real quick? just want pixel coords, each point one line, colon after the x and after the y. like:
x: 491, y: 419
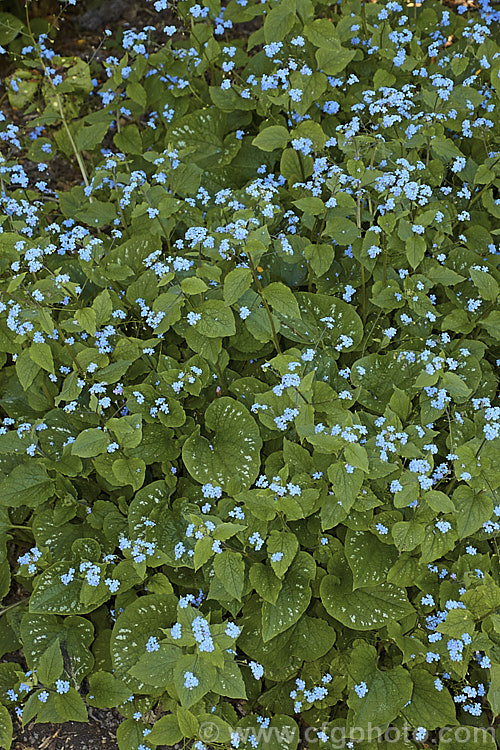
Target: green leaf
x: 216, y: 320
x: 26, y: 368
x: 314, y: 206
x: 230, y: 569
x: 439, y: 502
x: 271, y: 137
x: 285, y: 544
x: 141, y: 619
x: 478, y: 738
x: 444, y: 149
x: 39, y: 631
x: 364, y: 608
x: 488, y: 287
x: 193, y: 285
x: 50, y: 664
x: 70, y: 706
x: 356, y: 455
x: 41, y: 354
x: 407, y: 535
x: 129, y: 471
x: 429, y: 708
x: 494, y: 689
x: 87, y: 319
x: 188, y: 723
x: 472, y: 510
x: 415, y: 250
x: 10, y: 26
x: 91, y: 442
x: 229, y: 681
x: 281, y: 299
x: 52, y: 596
x: 91, y: 136
x: 492, y: 324
x: 313, y: 309
x: 166, y: 731
x: 202, y: 552
x: 320, y: 257
x: 387, y: 690
x: 105, y: 691
x: 265, y: 582
x: 129, y: 735
x: 204, y: 672
x: 127, y: 430
x: 334, y: 60
x: 5, y: 729
x: 154, y: 669
x: 236, y: 283
x: 377, y: 374
x: 369, y: 559
x: 281, y: 734
x: 346, y: 486
x: 279, y: 21
x: 129, y: 140
x: 27, y: 484
x: 343, y: 231
x: 292, y: 600
x: 232, y: 457
x: 137, y: 93
x: 455, y: 386
x: 312, y: 638
x: 5, y: 578
x: 102, y: 307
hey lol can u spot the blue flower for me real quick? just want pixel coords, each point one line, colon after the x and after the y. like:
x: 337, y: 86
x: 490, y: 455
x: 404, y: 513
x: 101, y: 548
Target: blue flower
x: 190, y: 681
x: 361, y: 689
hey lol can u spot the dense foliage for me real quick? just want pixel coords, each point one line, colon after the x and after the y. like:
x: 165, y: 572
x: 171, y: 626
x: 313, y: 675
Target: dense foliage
x: 250, y: 437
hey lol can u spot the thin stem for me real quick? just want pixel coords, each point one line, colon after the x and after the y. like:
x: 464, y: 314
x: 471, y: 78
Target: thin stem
x: 268, y: 310
x: 11, y: 606
x: 61, y: 109
x: 24, y: 528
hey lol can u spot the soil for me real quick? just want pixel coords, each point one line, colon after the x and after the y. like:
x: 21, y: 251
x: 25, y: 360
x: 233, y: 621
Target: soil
x: 98, y: 734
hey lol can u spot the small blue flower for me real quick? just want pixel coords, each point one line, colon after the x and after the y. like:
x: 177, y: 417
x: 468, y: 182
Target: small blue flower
x: 361, y: 689
x: 190, y: 681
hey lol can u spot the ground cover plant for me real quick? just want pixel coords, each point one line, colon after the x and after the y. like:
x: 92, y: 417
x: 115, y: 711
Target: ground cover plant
x: 249, y: 352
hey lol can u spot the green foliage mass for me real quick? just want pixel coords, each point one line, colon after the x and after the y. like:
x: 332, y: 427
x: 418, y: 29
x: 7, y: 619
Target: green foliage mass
x: 249, y: 347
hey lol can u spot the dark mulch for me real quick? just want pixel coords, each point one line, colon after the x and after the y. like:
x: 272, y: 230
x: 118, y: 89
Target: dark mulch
x: 98, y: 734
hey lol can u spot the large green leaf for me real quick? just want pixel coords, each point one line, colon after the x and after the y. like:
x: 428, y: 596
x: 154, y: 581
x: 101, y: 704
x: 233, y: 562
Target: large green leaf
x: 152, y: 505
x: 75, y: 634
x: 387, y: 690
x: 28, y: 484
x: 52, y: 596
x: 281, y: 734
x: 203, y: 671
x: 230, y: 569
x: 379, y: 375
x: 229, y: 681
x: 91, y: 442
x: 313, y: 307
x: 106, y: 691
x: 368, y: 558
x: 472, y: 510
x: 292, y: 600
x: 216, y: 320
x: 231, y: 458
x: 141, y: 619
x: 5, y: 728
x: 364, y: 608
x: 477, y: 738
x: 428, y: 707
